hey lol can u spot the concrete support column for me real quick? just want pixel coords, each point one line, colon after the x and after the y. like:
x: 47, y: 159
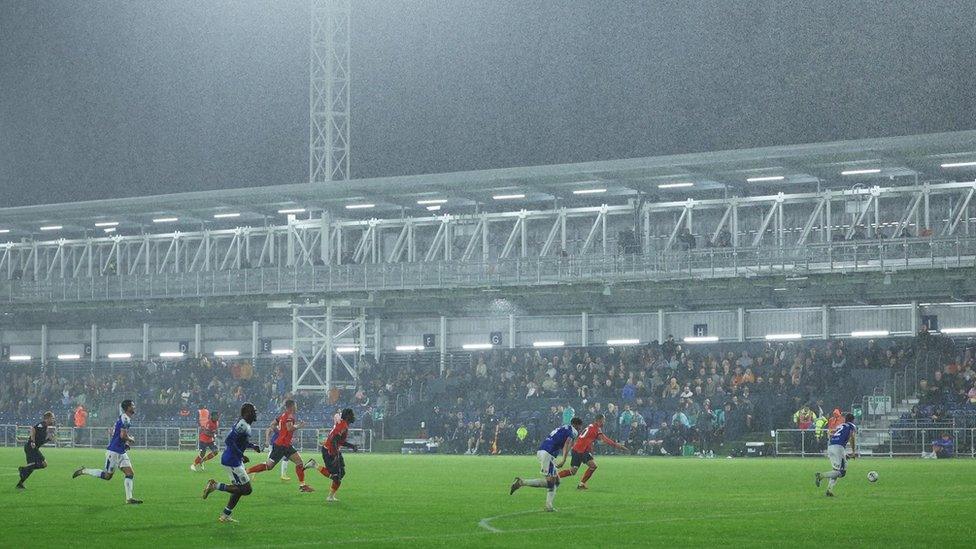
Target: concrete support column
x: 197, y: 340
x: 255, y: 336
x: 585, y: 326
x: 145, y: 341
x: 43, y: 343
x: 94, y: 342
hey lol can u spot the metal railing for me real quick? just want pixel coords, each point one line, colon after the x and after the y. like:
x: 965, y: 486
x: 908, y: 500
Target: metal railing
x: 863, y: 255
x: 170, y: 438
x: 897, y: 442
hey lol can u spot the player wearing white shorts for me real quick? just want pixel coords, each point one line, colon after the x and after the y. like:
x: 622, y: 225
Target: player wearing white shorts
x: 233, y: 459
x: 559, y: 440
x: 117, y: 455
x: 837, y: 453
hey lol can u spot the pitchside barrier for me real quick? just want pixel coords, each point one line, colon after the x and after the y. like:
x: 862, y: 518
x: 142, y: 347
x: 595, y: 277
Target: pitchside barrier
x: 896, y: 442
x: 171, y: 438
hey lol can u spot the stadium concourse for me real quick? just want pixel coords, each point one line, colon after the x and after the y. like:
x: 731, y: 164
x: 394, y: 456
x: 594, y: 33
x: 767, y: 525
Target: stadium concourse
x: 658, y: 398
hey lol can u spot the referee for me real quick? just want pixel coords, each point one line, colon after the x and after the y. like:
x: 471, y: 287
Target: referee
x: 39, y: 435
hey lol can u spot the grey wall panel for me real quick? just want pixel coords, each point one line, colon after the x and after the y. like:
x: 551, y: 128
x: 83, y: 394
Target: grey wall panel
x: 806, y: 322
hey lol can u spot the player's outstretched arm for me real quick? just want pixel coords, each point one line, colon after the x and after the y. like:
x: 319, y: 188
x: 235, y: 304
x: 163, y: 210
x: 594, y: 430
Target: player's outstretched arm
x: 613, y: 443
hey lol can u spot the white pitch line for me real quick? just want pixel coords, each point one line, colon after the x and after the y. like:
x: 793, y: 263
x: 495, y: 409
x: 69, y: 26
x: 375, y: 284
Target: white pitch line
x: 486, y: 522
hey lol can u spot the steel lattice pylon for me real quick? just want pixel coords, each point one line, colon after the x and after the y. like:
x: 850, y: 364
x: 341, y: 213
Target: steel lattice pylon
x: 323, y: 338
x: 328, y: 91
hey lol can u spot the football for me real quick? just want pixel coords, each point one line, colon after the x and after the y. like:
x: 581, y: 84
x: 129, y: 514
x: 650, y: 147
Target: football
x: 872, y: 476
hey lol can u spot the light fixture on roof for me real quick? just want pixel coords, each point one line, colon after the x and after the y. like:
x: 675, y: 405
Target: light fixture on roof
x: 958, y: 330
x: 548, y: 343
x: 166, y: 220
x: 433, y: 208
x: 120, y: 355
x: 226, y: 353
x: 870, y: 333
x: 701, y: 339
x: 171, y: 354
x: 281, y: 351
x: 4, y: 231
x: 359, y: 206
x: 865, y: 171
x: 590, y: 191
x: 347, y: 350
x: 226, y: 215
x: 20, y: 358
x: 109, y: 230
x: 676, y: 185
x: 763, y: 178
x: 622, y: 342
x: 958, y: 164
x: 783, y: 337
x: 429, y: 201
x: 51, y: 228
x: 476, y: 346
x: 404, y: 348
x: 508, y: 196
x: 107, y: 224
x: 292, y: 211
x: 68, y: 356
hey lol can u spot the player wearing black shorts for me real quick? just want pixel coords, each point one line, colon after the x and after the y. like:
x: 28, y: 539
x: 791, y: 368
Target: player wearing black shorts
x: 40, y: 434
x: 334, y: 466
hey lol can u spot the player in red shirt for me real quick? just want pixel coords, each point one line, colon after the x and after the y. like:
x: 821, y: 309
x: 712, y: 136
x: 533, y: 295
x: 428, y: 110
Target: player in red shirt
x: 282, y: 447
x: 208, y: 430
x: 584, y: 446
x: 334, y: 466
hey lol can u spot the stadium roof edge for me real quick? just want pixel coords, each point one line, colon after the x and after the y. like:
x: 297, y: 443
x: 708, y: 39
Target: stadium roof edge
x: 480, y: 183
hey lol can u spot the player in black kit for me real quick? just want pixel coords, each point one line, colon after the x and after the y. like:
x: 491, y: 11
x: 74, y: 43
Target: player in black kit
x: 39, y: 435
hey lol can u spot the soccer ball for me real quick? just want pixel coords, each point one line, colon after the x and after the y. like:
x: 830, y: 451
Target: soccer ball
x: 872, y: 476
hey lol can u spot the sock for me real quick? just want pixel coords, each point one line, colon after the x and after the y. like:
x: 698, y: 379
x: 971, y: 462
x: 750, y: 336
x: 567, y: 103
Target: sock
x: 325, y: 472
x: 197, y: 460
x: 831, y: 484
x: 300, y: 471
x: 565, y: 473
x: 335, y: 486
x: 550, y: 496
x: 26, y: 472
x: 587, y: 475
x: 227, y: 511
x: 831, y: 474
x: 284, y: 468
x: 210, y: 456
x: 97, y: 473
x: 222, y: 487
x: 128, y: 487
x: 535, y: 482
x: 258, y: 468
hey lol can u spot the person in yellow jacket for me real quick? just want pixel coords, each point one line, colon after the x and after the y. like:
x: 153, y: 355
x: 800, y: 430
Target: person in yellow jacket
x: 820, y: 430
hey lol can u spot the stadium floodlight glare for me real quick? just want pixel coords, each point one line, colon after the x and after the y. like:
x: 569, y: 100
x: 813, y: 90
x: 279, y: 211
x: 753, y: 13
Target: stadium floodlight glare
x: 107, y: 224
x: 166, y: 220
x: 430, y: 201
x: 226, y: 215
x: 676, y: 185
x: 701, y: 339
x: 861, y: 172
x: 590, y: 191
x: 292, y: 211
x: 783, y: 337
x: 870, y: 333
x: 476, y: 346
x: 51, y: 228
x: 760, y: 179
x: 171, y: 354
x: 281, y: 351
x: 958, y: 164
x: 120, y: 355
x: 433, y: 208
x: 508, y: 196
x: 621, y: 342
x: 68, y: 356
x: 20, y: 358
x: 548, y: 343
x: 360, y: 206
x: 346, y: 350
x: 226, y: 353
x: 403, y: 348
x: 969, y: 330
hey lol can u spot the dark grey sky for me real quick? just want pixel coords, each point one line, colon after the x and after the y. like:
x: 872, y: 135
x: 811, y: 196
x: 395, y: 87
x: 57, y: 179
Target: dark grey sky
x: 108, y: 98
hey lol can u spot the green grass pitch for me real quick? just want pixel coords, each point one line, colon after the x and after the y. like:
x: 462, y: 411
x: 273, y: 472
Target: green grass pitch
x: 392, y: 500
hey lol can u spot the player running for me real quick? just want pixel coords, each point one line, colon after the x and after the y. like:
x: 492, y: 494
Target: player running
x: 39, y: 435
x: 560, y: 439
x: 837, y: 453
x: 583, y: 448
x: 333, y: 465
x: 282, y: 447
x: 116, y: 455
x: 208, y: 446
x: 233, y: 459
x: 271, y: 435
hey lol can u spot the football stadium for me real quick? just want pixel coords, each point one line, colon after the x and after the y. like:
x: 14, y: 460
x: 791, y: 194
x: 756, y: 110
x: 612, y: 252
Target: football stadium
x: 444, y: 294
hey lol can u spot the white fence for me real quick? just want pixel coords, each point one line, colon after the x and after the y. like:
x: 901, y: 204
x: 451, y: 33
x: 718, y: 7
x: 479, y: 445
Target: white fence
x: 909, y: 441
x: 170, y: 438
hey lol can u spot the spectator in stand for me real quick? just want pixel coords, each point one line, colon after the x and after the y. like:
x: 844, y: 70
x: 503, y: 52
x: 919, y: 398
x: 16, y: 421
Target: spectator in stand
x: 942, y: 448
